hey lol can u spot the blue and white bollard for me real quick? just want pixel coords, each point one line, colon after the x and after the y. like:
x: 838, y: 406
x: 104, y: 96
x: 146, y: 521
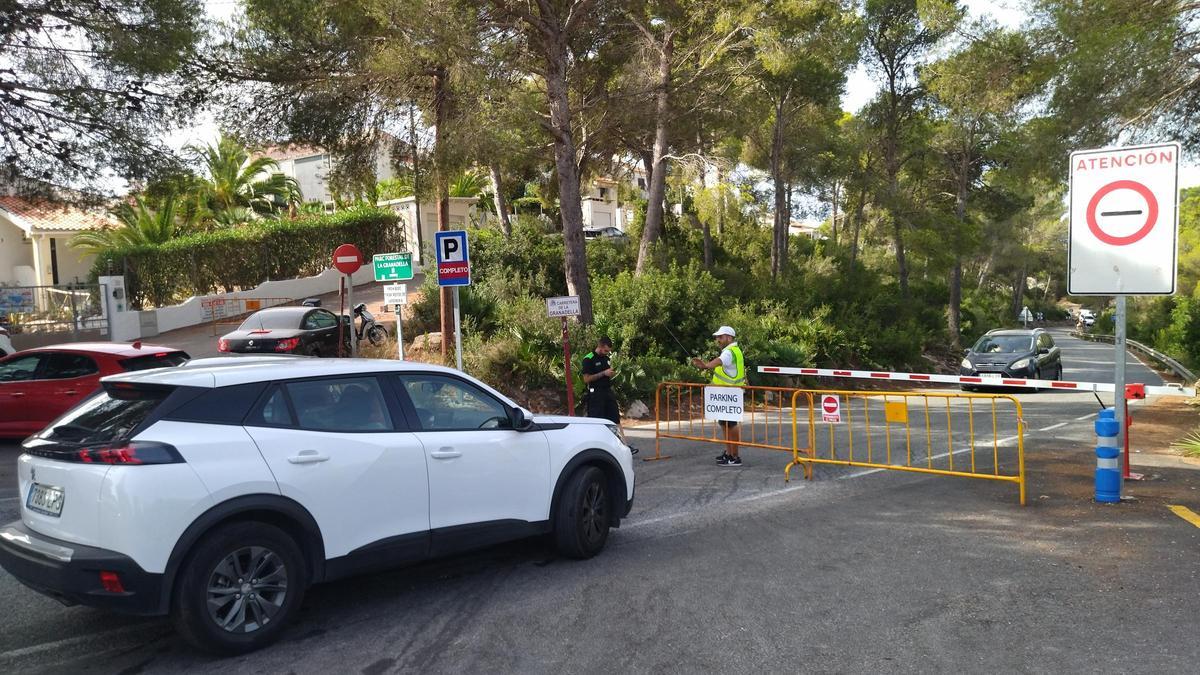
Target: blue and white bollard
x: 1108, y: 458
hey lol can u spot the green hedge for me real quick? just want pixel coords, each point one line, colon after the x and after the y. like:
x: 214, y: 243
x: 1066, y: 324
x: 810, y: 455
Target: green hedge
x: 246, y: 256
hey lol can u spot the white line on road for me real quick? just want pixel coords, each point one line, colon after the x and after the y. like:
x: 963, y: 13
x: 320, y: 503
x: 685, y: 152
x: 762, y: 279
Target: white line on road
x: 1086, y: 417
x: 868, y: 472
x: 1054, y: 426
x: 68, y: 642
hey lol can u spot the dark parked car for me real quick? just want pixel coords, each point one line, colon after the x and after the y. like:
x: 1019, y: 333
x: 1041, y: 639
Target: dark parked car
x: 605, y: 233
x: 309, y: 331
x: 1029, y: 354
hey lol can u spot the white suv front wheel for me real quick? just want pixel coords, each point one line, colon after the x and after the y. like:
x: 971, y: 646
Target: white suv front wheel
x: 239, y: 588
x: 584, y: 516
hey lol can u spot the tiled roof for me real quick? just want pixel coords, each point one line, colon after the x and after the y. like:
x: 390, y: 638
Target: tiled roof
x: 294, y: 151
x: 41, y: 214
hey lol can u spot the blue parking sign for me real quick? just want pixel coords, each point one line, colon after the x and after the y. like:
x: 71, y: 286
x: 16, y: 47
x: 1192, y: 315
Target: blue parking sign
x: 453, y: 258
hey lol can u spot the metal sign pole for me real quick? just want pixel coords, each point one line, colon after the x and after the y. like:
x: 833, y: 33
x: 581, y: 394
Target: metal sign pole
x: 567, y: 364
x: 400, y: 330
x: 457, y: 331
x: 341, y: 313
x: 1119, y: 382
x: 353, y: 328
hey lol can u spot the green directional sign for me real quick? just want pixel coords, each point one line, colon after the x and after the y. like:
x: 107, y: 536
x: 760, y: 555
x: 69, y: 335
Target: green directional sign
x: 393, y: 266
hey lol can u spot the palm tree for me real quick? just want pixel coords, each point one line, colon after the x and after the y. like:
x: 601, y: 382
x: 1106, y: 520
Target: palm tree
x: 237, y: 186
x: 140, y: 224
x: 468, y: 184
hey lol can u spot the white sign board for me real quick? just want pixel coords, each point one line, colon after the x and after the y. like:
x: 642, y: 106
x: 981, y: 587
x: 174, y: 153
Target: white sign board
x: 831, y: 409
x: 564, y: 306
x: 1124, y: 221
x: 723, y: 403
x: 395, y: 294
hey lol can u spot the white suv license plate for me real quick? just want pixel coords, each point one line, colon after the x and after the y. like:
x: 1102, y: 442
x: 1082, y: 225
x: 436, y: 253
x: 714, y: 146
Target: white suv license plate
x: 46, y: 499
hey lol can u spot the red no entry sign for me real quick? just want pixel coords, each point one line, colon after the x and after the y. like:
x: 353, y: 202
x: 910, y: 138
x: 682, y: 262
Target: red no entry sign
x: 1147, y: 212
x: 831, y: 408
x: 347, y: 258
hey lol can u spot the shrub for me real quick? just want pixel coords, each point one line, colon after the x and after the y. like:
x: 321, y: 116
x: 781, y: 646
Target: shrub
x: 641, y: 313
x: 248, y: 255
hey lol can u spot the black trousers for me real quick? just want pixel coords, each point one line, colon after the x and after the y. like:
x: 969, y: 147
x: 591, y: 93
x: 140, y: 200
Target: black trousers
x: 601, y: 403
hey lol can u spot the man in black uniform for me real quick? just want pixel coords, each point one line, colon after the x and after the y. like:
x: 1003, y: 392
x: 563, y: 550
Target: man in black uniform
x: 598, y: 374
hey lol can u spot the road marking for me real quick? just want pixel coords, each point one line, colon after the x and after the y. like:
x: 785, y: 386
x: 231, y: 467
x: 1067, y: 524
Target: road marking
x: 1086, y: 417
x: 1054, y: 426
x: 69, y: 642
x: 868, y: 472
x: 1185, y: 513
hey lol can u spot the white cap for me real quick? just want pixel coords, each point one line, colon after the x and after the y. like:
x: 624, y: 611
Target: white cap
x: 725, y: 330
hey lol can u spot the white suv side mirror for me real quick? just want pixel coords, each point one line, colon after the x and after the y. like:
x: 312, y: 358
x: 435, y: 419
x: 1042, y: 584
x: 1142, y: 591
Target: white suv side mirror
x: 521, y: 420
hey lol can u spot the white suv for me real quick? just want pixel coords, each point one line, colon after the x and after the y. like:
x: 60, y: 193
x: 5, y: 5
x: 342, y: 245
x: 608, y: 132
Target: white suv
x: 216, y: 492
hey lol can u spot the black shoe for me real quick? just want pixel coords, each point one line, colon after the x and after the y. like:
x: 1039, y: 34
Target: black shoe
x: 721, y: 457
x: 730, y: 461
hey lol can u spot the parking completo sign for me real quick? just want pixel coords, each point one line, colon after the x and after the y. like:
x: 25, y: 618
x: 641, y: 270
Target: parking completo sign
x: 723, y: 403
x: 453, y: 258
x: 1124, y: 221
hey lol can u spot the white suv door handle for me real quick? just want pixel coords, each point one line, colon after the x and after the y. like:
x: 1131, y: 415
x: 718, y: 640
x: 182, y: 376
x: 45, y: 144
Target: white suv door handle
x: 308, y: 457
x: 445, y: 453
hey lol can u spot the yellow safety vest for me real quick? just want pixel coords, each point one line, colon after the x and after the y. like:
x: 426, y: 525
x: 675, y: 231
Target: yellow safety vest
x: 720, y: 378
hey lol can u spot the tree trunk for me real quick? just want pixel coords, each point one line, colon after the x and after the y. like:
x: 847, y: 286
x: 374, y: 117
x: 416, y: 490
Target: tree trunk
x: 416, y: 162
x: 658, y: 177
x: 986, y: 268
x: 953, y: 312
x: 779, y: 231
x: 648, y: 165
x: 501, y: 206
x: 442, y: 185
x: 836, y: 191
x: 570, y: 200
x: 721, y: 202
x: 1018, y: 296
x: 898, y: 239
x: 859, y: 210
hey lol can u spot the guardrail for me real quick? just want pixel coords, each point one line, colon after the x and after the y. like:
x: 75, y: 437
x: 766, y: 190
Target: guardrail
x: 1176, y: 367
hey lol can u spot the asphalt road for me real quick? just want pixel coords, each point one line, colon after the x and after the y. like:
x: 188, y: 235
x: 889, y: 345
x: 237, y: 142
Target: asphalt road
x: 734, y: 570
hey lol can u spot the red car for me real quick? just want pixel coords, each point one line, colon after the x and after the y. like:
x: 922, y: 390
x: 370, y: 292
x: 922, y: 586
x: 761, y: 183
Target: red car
x: 38, y: 385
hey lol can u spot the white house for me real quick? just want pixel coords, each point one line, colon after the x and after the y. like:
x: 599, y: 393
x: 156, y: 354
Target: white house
x: 33, y: 241
x: 602, y: 205
x: 311, y: 168
x: 464, y: 211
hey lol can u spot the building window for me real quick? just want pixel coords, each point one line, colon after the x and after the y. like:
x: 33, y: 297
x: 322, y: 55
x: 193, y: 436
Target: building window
x: 641, y: 183
x: 604, y: 194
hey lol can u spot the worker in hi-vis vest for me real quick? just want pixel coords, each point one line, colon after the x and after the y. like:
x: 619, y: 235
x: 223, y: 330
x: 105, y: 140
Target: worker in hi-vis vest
x: 728, y: 370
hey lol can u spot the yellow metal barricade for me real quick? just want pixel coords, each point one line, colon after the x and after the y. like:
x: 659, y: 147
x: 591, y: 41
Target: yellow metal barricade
x: 948, y: 434
x: 766, y: 419
x: 939, y: 433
